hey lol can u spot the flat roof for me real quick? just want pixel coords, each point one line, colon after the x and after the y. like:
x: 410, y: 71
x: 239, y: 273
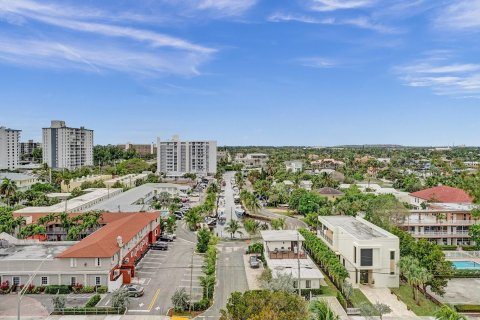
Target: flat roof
x: 130, y: 201
x: 308, y: 269
x: 128, y: 176
x: 32, y: 252
x: 358, y: 228
x: 281, y: 235
x: 72, y: 204
x: 16, y: 176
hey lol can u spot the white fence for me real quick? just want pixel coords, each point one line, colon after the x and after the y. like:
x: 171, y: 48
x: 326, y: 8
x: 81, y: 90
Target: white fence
x: 462, y: 254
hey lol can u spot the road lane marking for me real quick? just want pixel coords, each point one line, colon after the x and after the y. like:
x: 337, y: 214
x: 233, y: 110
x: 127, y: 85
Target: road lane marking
x: 154, y: 299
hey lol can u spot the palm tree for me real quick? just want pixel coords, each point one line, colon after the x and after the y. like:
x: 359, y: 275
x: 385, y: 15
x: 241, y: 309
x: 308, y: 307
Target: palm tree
x: 321, y: 311
x: 8, y: 189
x: 447, y: 313
x: 279, y: 224
x: 233, y: 227
x: 193, y: 218
x: 420, y: 277
x: 251, y: 226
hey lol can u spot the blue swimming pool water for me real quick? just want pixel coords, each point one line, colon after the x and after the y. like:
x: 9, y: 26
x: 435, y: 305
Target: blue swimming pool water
x: 466, y: 265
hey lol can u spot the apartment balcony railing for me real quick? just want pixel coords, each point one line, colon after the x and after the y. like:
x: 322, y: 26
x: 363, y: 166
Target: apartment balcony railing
x: 285, y: 254
x: 427, y: 234
x: 426, y: 222
x: 325, y: 237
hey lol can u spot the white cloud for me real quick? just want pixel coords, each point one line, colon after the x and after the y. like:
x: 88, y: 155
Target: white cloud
x: 87, y: 57
x: 317, y: 62
x: 460, y: 15
x: 144, y: 49
x: 226, y: 7
x: 332, y: 5
x: 442, y: 76
x: 360, y: 22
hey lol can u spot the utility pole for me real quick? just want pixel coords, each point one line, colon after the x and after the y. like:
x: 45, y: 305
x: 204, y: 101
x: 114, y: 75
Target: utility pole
x: 298, y: 263
x: 191, y: 284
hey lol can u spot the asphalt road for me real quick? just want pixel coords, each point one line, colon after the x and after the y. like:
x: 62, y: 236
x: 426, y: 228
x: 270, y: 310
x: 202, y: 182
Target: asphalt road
x: 229, y: 208
x: 231, y: 276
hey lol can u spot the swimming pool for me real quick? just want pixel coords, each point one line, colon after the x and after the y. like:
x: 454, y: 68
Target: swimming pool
x: 471, y: 265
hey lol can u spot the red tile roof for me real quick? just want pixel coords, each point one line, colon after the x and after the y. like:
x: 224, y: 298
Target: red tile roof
x: 103, y: 242
x: 444, y: 194
x: 107, y: 217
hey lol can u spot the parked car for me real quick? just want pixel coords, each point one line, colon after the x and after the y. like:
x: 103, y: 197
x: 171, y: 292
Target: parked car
x: 134, y: 290
x: 166, y: 238
x: 254, y: 262
x: 159, y: 246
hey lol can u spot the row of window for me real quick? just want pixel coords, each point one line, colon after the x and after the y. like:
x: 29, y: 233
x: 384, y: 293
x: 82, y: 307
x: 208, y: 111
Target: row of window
x: 44, y: 281
x: 308, y: 284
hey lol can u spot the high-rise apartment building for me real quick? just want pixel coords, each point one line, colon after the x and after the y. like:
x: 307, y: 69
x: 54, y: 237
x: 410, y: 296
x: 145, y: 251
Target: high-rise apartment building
x: 9, y: 148
x: 176, y: 157
x: 26, y: 149
x: 65, y: 147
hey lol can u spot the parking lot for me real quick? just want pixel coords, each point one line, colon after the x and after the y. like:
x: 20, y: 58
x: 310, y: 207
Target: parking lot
x: 161, y: 273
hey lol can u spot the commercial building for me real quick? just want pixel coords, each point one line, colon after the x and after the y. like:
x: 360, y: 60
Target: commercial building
x: 139, y: 199
x: 176, y: 157
x: 252, y: 160
x: 294, y: 166
x: 26, y: 149
x: 107, y: 257
x: 81, y: 203
x: 66, y: 147
x: 9, y: 148
x: 283, y: 251
x: 22, y: 181
x: 369, y: 253
x: 128, y: 180
x: 77, y: 182
x: 141, y: 149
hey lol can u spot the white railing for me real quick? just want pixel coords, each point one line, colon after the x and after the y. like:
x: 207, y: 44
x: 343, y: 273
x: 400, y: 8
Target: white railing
x: 439, y: 233
x: 422, y: 222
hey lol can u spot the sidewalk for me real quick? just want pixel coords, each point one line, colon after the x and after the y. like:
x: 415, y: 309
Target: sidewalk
x: 383, y: 295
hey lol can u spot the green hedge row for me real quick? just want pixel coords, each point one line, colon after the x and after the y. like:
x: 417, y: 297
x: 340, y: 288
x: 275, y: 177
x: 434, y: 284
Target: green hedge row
x: 467, y: 307
x: 465, y: 273
x: 92, y: 302
x: 88, y: 311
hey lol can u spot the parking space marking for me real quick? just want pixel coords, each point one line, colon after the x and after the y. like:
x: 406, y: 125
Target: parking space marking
x: 154, y: 299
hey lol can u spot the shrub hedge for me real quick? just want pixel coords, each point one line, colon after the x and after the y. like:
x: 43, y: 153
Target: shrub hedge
x: 467, y: 307
x: 54, y: 289
x: 92, y: 302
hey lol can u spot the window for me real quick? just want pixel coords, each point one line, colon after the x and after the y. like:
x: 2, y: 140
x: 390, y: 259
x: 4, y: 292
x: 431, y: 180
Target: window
x: 392, y: 262
x: 392, y: 255
x: 98, y: 262
x: 73, y: 262
x: 308, y: 284
x: 44, y: 281
x: 366, y: 257
x: 98, y: 281
x: 295, y: 284
x: 16, y: 281
x: 354, y: 254
x: 73, y: 281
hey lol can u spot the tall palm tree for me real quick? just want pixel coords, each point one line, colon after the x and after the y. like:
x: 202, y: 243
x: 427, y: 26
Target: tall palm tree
x: 233, y: 227
x: 8, y: 189
x: 193, y: 218
x: 251, y: 226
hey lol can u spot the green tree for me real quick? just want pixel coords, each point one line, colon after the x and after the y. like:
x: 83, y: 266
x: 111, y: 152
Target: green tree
x: 251, y: 226
x: 203, y: 239
x: 180, y: 300
x: 193, y: 218
x: 233, y: 227
x: 474, y: 233
x: 321, y: 311
x: 279, y: 223
x: 120, y: 298
x: 447, y: 313
x: 8, y: 188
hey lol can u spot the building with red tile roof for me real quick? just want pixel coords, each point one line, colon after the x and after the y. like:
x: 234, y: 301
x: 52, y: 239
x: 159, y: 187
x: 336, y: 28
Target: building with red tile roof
x: 443, y: 194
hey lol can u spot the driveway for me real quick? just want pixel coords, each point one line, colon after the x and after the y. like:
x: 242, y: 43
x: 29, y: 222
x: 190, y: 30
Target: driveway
x: 231, y: 277
x: 219, y: 229
x: 383, y: 295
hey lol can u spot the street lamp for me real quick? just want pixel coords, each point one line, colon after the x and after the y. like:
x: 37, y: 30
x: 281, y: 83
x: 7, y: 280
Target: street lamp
x: 25, y: 288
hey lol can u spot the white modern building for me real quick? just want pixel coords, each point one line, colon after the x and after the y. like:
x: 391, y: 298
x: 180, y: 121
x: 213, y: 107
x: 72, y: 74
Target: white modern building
x: 284, y: 254
x: 294, y: 166
x: 65, y: 147
x: 252, y: 160
x: 176, y: 157
x: 369, y: 253
x: 9, y: 148
x: 22, y: 181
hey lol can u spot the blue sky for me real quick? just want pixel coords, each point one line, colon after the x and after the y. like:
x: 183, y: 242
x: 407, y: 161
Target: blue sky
x: 245, y: 72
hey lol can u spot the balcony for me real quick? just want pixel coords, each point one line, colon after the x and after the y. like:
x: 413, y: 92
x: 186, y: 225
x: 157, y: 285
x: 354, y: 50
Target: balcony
x: 430, y: 221
x: 286, y: 254
x: 435, y: 234
x: 325, y: 236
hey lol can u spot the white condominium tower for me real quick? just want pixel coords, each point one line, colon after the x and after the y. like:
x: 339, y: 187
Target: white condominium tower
x: 176, y: 157
x: 9, y: 148
x: 65, y: 147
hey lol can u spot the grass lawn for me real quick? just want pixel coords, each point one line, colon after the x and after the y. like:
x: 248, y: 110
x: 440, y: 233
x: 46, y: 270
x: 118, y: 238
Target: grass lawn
x: 426, y: 307
x: 329, y: 289
x: 358, y: 298
x: 284, y: 212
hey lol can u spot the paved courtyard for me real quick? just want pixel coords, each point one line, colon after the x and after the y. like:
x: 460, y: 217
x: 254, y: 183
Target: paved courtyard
x: 461, y: 291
